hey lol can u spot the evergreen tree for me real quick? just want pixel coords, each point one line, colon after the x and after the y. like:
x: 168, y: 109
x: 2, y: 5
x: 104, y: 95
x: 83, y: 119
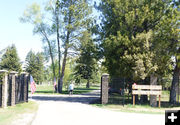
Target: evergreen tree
x: 10, y: 60
x: 128, y: 29
x: 34, y: 66
x: 86, y: 62
x: 136, y: 37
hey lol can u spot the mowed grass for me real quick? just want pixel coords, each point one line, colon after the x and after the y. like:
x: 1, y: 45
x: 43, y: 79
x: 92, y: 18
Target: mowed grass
x: 10, y: 114
x: 49, y: 89
x: 116, y: 104
x: 146, y: 109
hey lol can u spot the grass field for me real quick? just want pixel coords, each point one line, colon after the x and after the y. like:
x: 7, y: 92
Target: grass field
x: 49, y: 89
x: 116, y: 104
x: 147, y: 109
x: 10, y: 114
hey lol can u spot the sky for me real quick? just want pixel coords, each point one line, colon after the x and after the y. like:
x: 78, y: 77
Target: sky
x: 12, y: 31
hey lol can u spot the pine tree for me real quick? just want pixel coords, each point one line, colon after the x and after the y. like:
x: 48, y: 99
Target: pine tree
x: 136, y: 37
x: 86, y: 62
x: 34, y: 66
x: 10, y: 60
x: 128, y: 29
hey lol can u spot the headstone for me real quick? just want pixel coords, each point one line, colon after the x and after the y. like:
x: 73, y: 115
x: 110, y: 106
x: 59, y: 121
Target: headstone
x: 104, y: 88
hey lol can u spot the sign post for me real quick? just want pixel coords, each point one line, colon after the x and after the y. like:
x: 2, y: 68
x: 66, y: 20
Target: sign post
x: 147, y: 90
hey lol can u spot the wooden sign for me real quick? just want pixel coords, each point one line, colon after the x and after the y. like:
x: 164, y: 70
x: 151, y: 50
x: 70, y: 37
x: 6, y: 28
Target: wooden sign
x: 154, y: 87
x: 146, y: 90
x: 142, y: 92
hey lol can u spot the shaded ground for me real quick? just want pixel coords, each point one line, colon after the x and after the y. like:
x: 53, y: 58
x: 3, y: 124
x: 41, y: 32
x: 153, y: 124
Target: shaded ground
x: 82, y: 98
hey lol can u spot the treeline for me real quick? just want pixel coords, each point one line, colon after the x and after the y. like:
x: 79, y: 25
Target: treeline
x: 137, y: 40
x: 36, y: 65
x: 140, y: 39
x: 63, y: 26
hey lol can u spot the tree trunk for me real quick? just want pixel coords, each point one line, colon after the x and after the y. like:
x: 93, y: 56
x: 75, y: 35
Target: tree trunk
x: 174, y: 85
x: 65, y: 54
x: 50, y: 52
x: 59, y: 50
x: 88, y: 85
x: 144, y: 98
x: 153, y: 98
x: 63, y: 70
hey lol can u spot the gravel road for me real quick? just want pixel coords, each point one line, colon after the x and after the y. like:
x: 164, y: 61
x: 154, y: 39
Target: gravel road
x: 74, y: 110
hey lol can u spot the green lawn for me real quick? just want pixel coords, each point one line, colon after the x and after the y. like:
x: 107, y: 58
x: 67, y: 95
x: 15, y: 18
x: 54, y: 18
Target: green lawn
x: 49, y: 89
x: 137, y: 108
x: 116, y: 104
x: 9, y: 114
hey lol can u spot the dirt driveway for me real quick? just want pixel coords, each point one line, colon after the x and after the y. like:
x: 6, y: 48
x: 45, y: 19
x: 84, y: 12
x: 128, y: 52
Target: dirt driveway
x: 74, y: 110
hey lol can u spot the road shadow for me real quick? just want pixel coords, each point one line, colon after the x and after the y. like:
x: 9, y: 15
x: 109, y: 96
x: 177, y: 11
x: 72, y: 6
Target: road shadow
x: 86, y: 98
x: 93, y: 93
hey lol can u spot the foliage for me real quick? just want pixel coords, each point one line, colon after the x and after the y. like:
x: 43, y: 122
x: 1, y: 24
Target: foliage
x: 10, y: 60
x: 68, y: 76
x: 86, y: 63
x: 140, y: 38
x: 68, y: 18
x: 1, y: 78
x: 131, y: 44
x: 34, y: 15
x: 69, y: 71
x: 47, y: 76
x: 35, y: 66
x: 76, y: 19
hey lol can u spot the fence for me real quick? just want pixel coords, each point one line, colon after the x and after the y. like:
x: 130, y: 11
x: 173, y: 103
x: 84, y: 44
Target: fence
x: 13, y: 88
x: 114, y: 92
x: 120, y: 91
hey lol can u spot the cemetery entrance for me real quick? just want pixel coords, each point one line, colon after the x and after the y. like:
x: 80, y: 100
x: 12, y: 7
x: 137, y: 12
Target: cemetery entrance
x: 115, y: 90
x: 118, y: 91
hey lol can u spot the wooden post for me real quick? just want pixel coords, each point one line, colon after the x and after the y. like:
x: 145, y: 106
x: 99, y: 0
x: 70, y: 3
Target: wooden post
x: 159, y: 101
x: 152, y: 90
x: 133, y: 100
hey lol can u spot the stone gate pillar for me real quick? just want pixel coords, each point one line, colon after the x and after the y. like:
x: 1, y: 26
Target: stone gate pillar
x: 4, y: 88
x: 104, y: 88
x: 13, y: 86
x: 24, y: 77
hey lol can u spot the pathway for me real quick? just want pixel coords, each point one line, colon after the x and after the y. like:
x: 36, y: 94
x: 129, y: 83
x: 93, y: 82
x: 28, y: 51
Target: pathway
x: 74, y: 110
